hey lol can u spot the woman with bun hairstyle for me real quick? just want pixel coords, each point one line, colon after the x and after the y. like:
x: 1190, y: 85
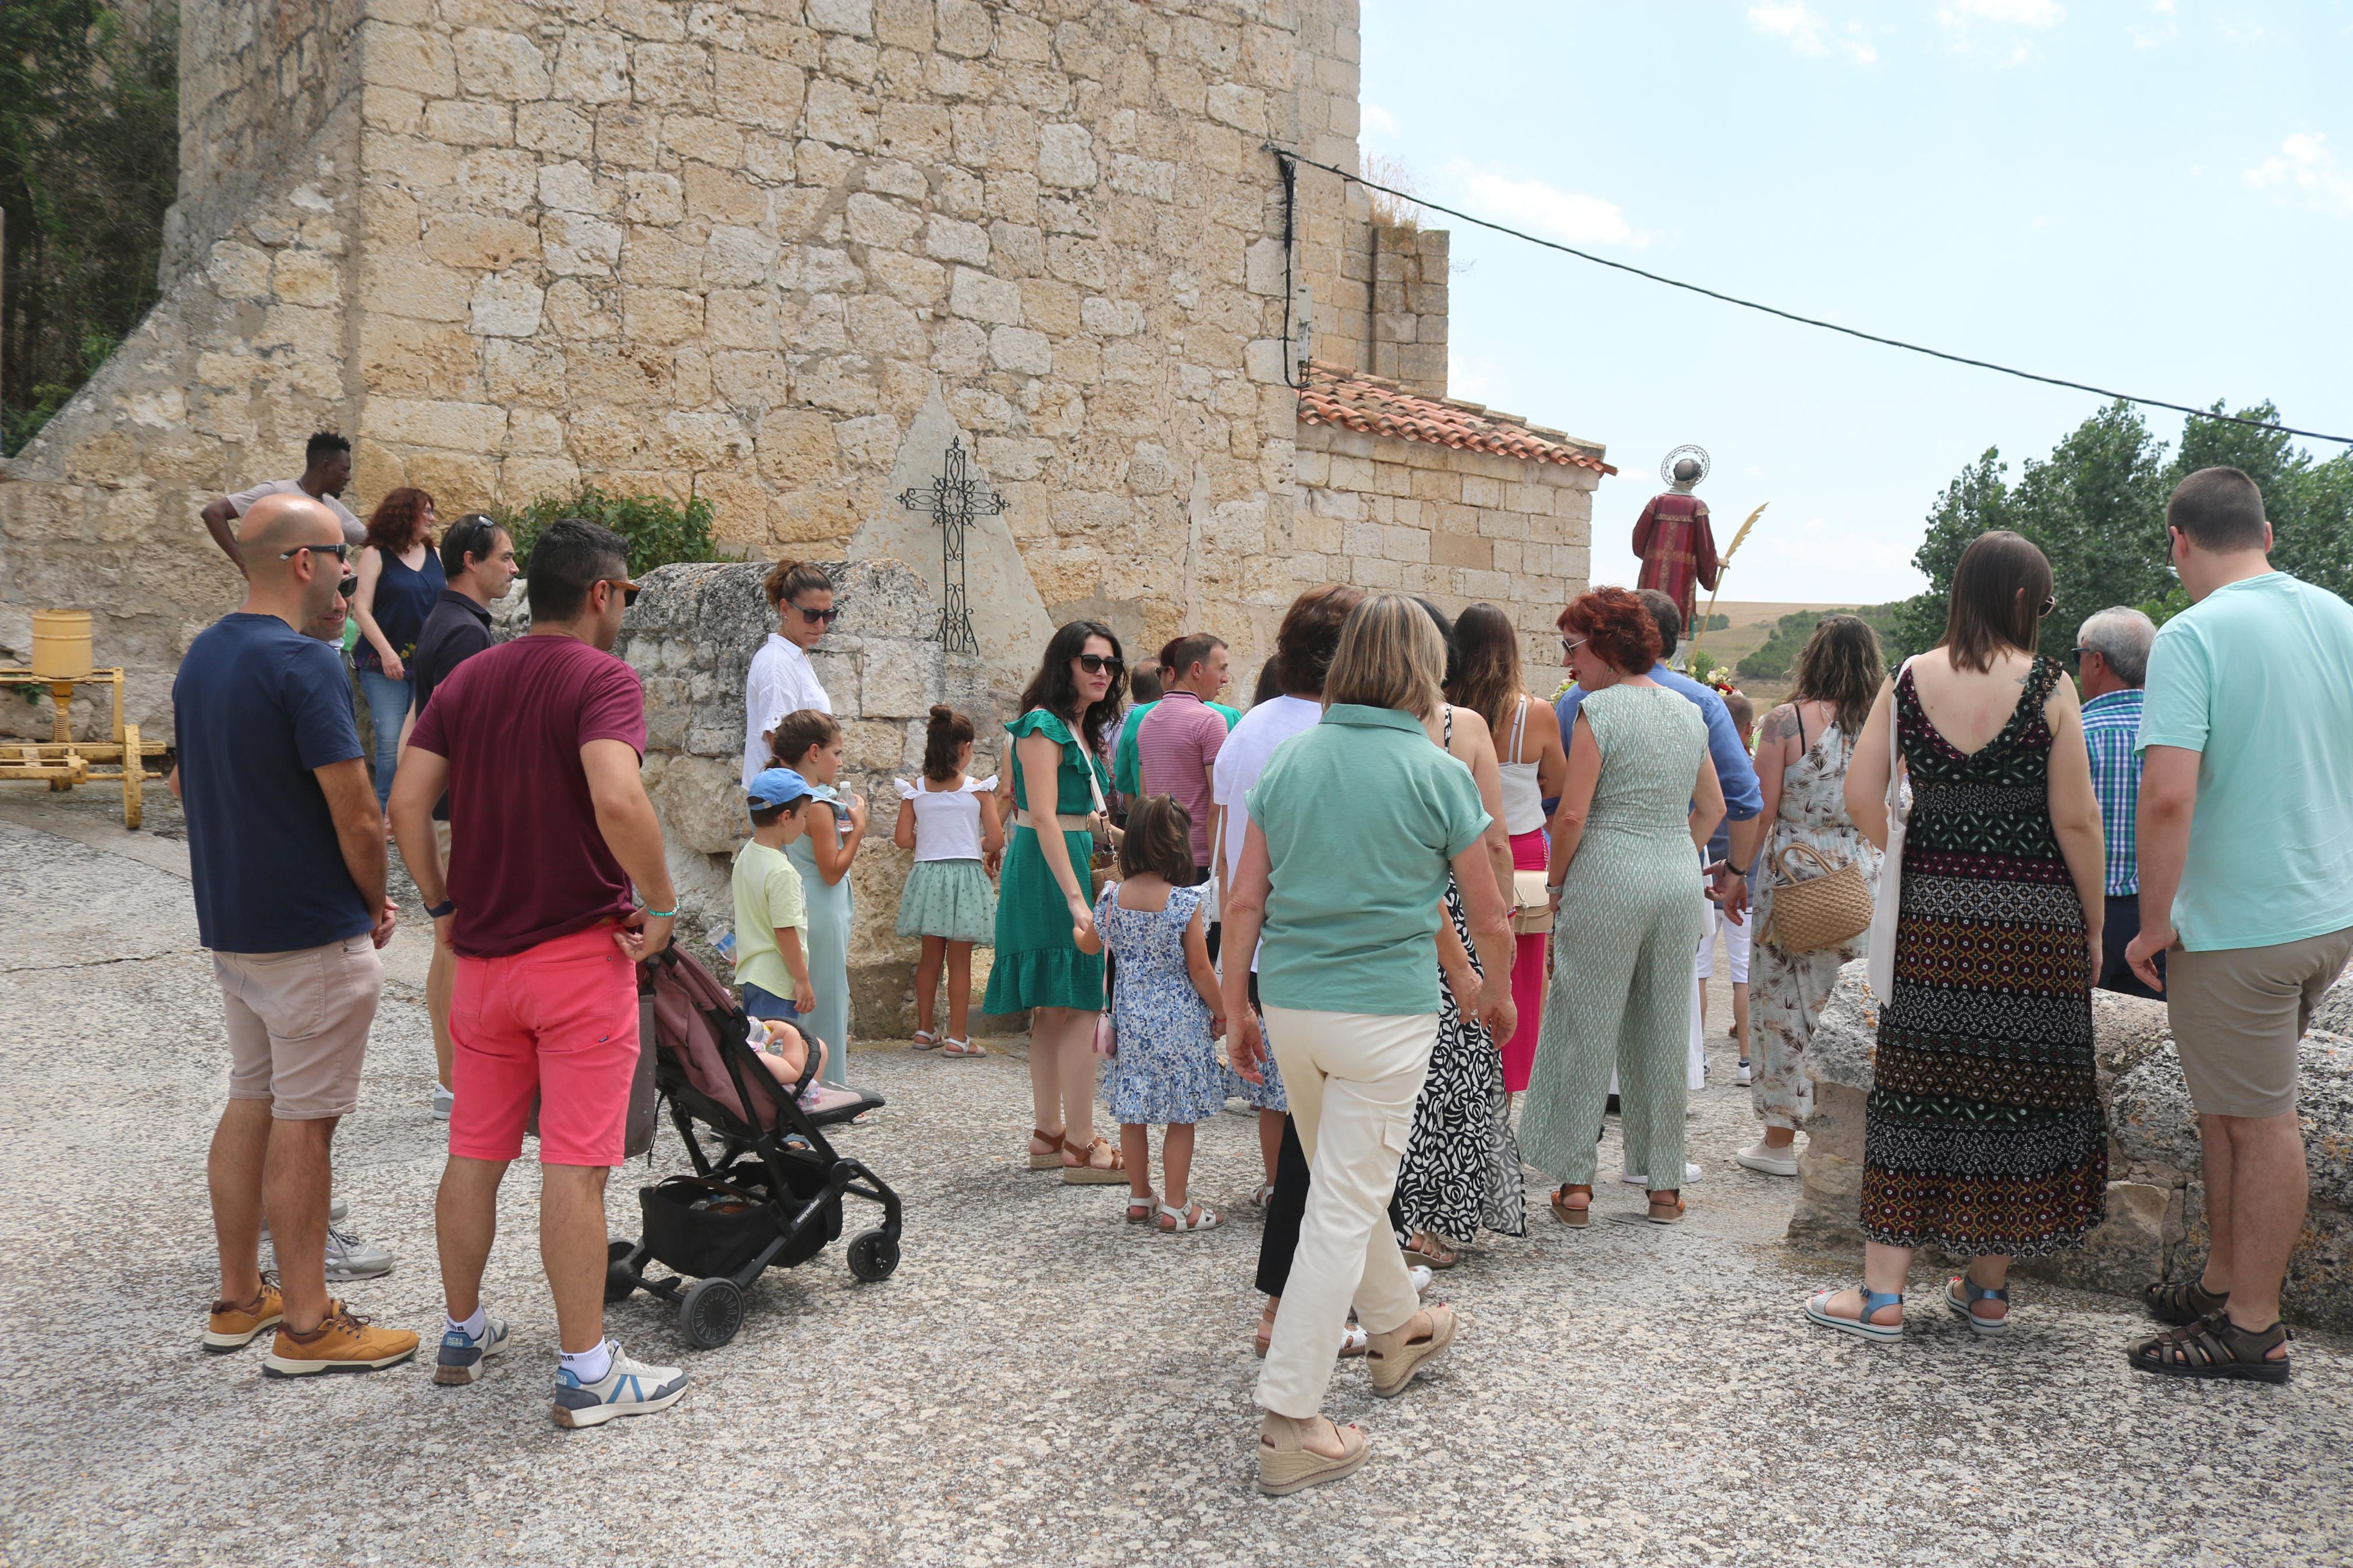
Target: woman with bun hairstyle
x: 1641, y: 799
x: 781, y: 680
x: 949, y: 820
x: 1049, y: 959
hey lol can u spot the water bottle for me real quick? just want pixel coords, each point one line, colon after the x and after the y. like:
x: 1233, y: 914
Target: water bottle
x: 723, y: 944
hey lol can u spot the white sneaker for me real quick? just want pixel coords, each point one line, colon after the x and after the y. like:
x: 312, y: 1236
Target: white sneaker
x: 442, y: 1101
x: 1420, y: 1276
x: 1761, y: 1156
x: 628, y: 1388
x: 460, y: 1362
x: 1740, y: 1075
x: 1691, y: 1174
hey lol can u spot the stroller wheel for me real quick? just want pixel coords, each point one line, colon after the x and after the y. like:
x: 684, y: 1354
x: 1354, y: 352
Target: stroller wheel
x: 620, y: 1279
x: 873, y: 1254
x: 711, y: 1313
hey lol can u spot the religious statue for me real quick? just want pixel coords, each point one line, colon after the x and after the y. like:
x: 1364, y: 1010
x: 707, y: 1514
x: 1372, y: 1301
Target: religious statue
x: 1672, y: 537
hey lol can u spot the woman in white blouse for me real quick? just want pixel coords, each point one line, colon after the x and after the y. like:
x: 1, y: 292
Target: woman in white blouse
x: 780, y: 681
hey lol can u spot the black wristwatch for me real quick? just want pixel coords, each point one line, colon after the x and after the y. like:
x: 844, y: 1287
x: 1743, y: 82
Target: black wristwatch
x: 441, y: 908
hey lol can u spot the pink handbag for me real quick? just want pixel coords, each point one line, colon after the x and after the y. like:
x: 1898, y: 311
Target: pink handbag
x: 1106, y: 1037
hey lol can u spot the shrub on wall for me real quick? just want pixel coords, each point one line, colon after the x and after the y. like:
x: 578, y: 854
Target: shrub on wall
x: 659, y: 529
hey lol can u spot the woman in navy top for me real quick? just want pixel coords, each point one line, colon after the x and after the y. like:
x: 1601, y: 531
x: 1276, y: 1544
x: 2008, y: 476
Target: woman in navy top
x: 400, y: 582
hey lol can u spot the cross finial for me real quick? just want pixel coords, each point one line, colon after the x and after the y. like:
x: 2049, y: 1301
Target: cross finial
x: 954, y: 499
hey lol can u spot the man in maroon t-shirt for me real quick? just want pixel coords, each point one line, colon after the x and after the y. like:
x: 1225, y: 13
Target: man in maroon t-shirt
x: 537, y: 743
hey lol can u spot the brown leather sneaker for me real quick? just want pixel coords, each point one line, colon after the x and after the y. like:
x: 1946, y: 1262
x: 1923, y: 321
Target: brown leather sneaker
x: 343, y: 1342
x: 234, y: 1325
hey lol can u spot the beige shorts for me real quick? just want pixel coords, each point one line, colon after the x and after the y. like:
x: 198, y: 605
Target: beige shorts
x: 2237, y: 1014
x: 298, y: 1024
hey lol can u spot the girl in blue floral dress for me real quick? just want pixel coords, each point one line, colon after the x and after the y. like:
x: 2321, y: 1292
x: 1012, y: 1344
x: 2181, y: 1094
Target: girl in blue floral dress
x: 1164, y: 1071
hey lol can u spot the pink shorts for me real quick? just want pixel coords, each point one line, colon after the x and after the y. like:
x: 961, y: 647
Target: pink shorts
x: 560, y: 1019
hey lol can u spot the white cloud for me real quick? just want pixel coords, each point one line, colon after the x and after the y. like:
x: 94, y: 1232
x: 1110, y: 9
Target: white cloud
x: 1809, y: 32
x: 1570, y: 215
x: 2035, y: 14
x: 2163, y: 31
x: 1378, y: 121
x: 2304, y: 164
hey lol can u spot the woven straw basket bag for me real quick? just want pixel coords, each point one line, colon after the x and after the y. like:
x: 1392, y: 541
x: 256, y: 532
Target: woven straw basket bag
x: 1828, y: 907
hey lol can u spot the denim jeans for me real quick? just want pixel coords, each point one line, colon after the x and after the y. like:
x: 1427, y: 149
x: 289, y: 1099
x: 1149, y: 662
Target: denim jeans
x: 388, y: 701
x: 760, y: 1004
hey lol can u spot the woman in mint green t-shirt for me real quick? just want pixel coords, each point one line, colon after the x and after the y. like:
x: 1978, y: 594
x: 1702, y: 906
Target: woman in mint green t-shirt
x: 1353, y: 827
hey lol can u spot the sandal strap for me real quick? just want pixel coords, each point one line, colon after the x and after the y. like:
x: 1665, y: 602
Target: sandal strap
x: 1873, y: 1300
x: 1978, y: 1293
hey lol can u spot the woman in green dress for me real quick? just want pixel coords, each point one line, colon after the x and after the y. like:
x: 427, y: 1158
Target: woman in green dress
x: 1049, y: 958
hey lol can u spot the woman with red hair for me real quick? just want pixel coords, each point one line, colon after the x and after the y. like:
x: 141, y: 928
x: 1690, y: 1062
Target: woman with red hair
x: 1642, y: 798
x: 400, y: 582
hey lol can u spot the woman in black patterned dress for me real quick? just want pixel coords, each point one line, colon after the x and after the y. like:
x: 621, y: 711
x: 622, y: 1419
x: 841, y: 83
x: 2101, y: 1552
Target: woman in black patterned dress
x: 1983, y: 1134
x: 1462, y: 1165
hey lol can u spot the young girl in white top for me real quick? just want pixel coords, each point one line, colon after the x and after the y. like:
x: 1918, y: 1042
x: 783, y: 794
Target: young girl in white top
x: 951, y: 823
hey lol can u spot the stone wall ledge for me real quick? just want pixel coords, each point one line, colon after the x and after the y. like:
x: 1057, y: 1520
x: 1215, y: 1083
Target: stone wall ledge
x: 2156, y: 1226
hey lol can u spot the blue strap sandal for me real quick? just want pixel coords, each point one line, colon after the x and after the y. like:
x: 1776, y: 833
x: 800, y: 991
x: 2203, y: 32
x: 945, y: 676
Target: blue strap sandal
x: 1817, y: 1309
x: 1965, y: 1305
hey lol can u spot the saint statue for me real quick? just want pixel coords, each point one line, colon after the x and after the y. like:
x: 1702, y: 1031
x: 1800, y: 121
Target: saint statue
x: 1673, y: 538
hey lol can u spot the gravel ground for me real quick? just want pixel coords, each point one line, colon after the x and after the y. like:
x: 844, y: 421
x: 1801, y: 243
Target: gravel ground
x: 1039, y: 1383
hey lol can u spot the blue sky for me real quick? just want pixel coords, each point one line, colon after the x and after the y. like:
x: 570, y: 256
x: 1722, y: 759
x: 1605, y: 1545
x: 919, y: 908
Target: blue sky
x: 2154, y: 195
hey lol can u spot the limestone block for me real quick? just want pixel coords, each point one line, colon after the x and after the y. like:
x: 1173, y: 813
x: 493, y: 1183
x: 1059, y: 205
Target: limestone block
x: 876, y: 221
x: 839, y: 115
x: 239, y: 271
x: 426, y: 292
x: 951, y: 240
x: 868, y: 442
x: 674, y: 76
x: 852, y: 17
x: 575, y: 188
x: 982, y: 297
x: 506, y: 305
x: 479, y: 239
x: 965, y: 28
x: 555, y: 127
x: 453, y: 427
x: 1021, y: 350
x: 577, y: 246
x: 502, y: 179
x: 1243, y: 108
x: 796, y: 447
x: 1066, y: 157
x: 307, y: 278
x: 895, y: 680
x: 592, y: 66
x: 759, y: 92
x: 407, y: 57
x: 698, y: 799
x: 660, y: 315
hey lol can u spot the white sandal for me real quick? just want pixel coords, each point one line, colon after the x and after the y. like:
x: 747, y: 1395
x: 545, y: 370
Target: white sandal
x: 1141, y: 1211
x: 963, y: 1050
x: 1195, y: 1216
x: 925, y: 1041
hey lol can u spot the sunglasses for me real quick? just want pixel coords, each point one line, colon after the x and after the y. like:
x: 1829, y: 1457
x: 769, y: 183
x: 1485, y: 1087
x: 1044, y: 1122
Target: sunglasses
x: 349, y: 587
x: 472, y: 534
x: 1095, y: 664
x: 340, y: 551
x: 629, y: 590
x: 2075, y: 655
x: 814, y: 616
x: 1568, y: 646
x: 2050, y: 603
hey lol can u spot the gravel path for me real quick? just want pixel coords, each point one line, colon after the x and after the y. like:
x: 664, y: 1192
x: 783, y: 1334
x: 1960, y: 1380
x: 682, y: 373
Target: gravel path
x: 1039, y: 1384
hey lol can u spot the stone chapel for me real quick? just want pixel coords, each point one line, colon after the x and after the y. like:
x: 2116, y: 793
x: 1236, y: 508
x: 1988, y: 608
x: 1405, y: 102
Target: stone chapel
x: 778, y: 253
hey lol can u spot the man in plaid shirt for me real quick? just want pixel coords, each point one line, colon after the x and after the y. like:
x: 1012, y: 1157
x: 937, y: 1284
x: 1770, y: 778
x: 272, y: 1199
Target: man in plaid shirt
x: 2111, y: 664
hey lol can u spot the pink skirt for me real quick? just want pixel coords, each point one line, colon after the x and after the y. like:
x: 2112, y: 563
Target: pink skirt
x: 1530, y: 851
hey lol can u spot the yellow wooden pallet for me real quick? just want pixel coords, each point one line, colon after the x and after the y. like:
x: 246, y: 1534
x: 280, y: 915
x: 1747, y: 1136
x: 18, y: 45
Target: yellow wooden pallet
x: 64, y: 761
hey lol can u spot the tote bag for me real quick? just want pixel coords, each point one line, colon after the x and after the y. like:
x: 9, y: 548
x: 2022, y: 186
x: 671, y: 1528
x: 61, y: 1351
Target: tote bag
x: 1883, y: 910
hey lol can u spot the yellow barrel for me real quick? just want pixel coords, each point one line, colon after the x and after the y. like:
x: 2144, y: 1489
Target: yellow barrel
x: 61, y: 643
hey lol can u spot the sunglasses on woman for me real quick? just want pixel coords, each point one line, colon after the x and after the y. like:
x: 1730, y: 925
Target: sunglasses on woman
x: 814, y: 616
x: 1095, y: 664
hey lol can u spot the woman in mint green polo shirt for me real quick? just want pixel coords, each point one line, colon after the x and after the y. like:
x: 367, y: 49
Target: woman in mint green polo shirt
x: 1353, y: 829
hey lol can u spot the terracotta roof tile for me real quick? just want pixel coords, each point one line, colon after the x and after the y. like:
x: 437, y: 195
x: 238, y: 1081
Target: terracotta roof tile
x: 1354, y: 400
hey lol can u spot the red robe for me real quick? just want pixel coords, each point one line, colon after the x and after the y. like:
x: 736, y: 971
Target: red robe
x: 1678, y: 550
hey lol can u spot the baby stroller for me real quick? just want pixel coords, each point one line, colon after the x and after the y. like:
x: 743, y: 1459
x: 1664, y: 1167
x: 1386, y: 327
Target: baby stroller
x: 770, y: 1197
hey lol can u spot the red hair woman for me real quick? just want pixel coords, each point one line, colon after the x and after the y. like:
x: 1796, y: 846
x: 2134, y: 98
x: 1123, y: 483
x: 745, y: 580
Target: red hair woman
x: 1641, y: 800
x: 400, y: 582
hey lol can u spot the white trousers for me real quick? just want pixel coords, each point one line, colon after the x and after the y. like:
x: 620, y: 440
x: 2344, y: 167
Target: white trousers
x: 1352, y: 1078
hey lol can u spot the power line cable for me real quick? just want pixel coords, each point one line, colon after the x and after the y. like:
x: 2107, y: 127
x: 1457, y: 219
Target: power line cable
x: 1286, y: 153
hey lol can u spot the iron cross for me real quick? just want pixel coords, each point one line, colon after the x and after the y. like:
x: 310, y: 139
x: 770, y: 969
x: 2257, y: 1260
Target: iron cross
x: 954, y: 499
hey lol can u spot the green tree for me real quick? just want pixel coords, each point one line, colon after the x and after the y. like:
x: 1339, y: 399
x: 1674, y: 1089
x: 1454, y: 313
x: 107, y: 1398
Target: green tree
x: 2095, y: 507
x: 88, y: 164
x: 659, y: 529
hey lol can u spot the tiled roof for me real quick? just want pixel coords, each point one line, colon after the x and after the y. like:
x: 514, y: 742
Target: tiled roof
x: 1354, y: 400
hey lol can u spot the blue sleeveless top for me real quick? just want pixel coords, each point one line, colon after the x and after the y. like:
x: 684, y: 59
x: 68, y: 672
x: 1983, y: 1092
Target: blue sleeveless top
x: 403, y: 598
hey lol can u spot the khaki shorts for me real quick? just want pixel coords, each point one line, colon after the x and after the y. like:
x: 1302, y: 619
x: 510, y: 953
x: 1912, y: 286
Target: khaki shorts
x: 298, y: 1024
x: 2237, y: 1014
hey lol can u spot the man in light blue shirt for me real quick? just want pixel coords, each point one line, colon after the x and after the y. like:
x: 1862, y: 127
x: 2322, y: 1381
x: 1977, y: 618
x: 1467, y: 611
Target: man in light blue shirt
x: 2246, y: 884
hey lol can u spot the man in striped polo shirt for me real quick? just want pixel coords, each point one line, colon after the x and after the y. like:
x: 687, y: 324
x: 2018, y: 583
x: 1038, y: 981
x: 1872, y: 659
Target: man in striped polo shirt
x: 2111, y: 663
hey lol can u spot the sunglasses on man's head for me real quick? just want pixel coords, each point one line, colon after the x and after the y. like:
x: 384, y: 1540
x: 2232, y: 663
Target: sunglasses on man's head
x: 1096, y: 663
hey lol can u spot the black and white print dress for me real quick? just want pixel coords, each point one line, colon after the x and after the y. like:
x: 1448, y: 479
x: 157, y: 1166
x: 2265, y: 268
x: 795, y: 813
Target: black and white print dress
x: 1462, y: 1167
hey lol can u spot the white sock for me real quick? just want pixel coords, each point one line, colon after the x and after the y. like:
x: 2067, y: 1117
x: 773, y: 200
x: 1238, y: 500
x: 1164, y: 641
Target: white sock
x: 473, y: 1328
x: 591, y: 1365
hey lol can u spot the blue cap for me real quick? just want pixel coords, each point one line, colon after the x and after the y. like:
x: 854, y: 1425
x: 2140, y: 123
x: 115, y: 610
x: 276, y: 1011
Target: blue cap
x: 779, y: 787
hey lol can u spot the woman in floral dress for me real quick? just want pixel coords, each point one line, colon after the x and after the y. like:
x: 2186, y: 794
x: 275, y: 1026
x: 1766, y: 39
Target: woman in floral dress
x: 1801, y: 762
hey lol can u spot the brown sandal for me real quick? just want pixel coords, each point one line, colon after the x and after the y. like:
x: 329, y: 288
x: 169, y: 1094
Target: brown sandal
x: 1432, y: 1252
x: 2214, y: 1347
x: 2182, y: 1302
x: 1577, y: 1217
x: 1051, y: 1159
x: 1080, y: 1170
x: 1668, y: 1210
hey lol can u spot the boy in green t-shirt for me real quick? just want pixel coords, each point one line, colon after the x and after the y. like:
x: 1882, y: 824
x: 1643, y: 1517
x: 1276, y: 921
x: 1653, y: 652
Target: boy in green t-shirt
x: 771, y: 912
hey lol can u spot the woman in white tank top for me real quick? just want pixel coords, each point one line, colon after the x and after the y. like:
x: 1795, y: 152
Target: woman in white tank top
x: 1527, y: 747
